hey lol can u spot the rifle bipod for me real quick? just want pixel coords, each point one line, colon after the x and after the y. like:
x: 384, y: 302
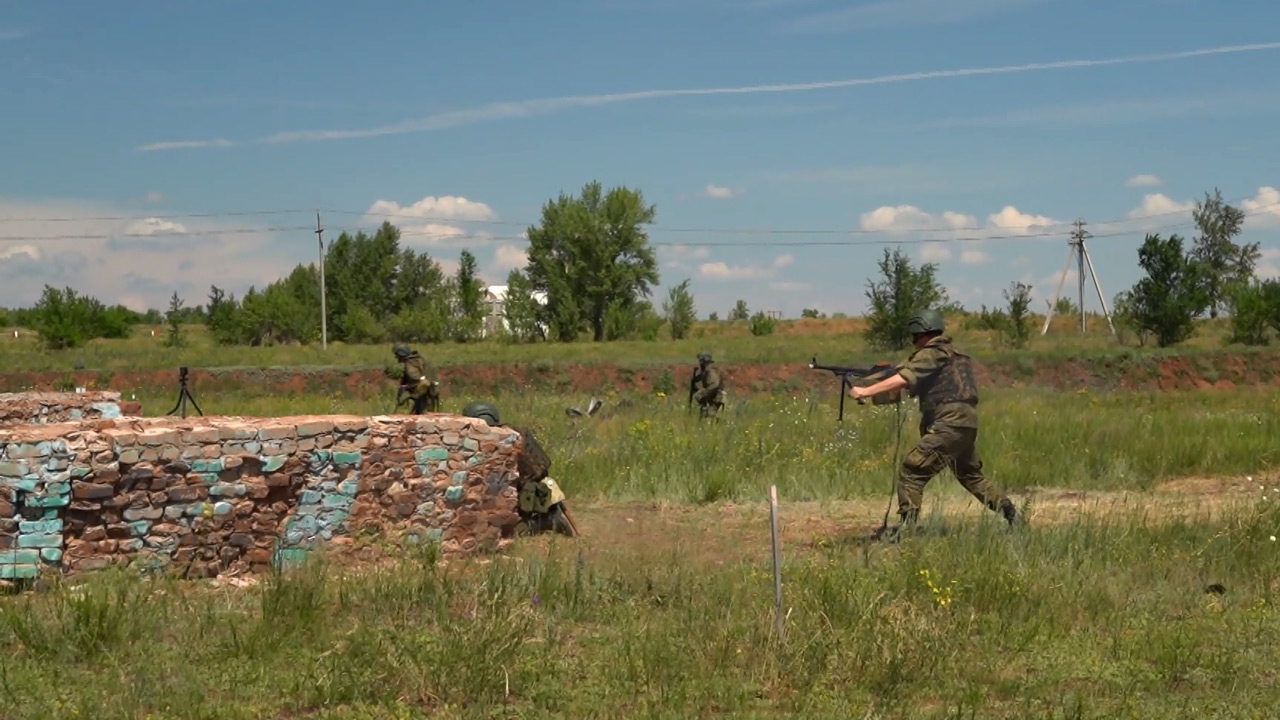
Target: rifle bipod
x: 184, y: 394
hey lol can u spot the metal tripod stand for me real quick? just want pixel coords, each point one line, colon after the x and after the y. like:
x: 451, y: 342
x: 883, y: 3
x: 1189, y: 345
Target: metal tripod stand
x: 184, y: 394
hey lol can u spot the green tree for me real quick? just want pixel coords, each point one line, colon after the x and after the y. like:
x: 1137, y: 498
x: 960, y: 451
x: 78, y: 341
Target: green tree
x: 520, y: 308
x: 903, y: 291
x: 1018, y: 326
x: 174, y: 318
x: 1125, y: 317
x: 1224, y: 264
x: 1167, y: 301
x: 65, y: 319
x: 679, y: 310
x: 739, y: 311
x: 222, y: 317
x: 468, y: 312
x: 591, y: 256
x: 1253, y: 308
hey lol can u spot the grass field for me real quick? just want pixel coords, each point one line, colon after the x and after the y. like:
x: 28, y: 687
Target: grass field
x: 1137, y: 501
x: 792, y: 341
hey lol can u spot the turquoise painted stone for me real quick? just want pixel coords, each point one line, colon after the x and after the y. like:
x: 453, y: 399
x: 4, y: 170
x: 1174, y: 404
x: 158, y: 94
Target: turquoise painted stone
x: 19, y: 557
x: 222, y: 508
x: 50, y: 554
x: 470, y: 444
x: 309, y: 497
x: 138, y: 528
x: 435, y: 533
x: 49, y: 501
x: 39, y: 540
x: 28, y: 483
x: 271, y: 463
x: 474, y: 460
x: 40, y: 526
x: 459, y: 477
x: 288, y: 557
x: 346, y: 458
x: 426, y: 455
x: 253, y: 447
x: 349, y: 488
x: 336, y: 501
x: 132, y: 545
x: 16, y: 572
x: 14, y: 469
x: 207, y: 465
x: 454, y: 493
x: 80, y: 471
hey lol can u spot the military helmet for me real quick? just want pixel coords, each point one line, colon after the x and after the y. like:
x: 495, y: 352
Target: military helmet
x: 925, y: 321
x: 401, y: 350
x: 482, y: 410
x: 704, y: 357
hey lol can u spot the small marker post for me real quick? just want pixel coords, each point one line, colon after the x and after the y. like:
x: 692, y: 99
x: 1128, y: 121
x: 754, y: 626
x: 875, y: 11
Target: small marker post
x: 777, y: 558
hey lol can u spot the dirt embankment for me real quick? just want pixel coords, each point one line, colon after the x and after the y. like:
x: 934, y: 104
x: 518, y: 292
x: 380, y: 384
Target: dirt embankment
x: 1133, y: 372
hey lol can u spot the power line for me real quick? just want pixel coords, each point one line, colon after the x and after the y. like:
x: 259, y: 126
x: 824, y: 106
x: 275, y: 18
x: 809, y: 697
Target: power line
x: 890, y: 238
x: 654, y: 228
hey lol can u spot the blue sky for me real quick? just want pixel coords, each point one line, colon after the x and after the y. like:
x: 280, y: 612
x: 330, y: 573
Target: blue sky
x: 138, y: 135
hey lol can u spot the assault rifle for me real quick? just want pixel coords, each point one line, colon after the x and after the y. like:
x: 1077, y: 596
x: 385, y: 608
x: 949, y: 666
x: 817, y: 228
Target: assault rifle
x: 847, y: 375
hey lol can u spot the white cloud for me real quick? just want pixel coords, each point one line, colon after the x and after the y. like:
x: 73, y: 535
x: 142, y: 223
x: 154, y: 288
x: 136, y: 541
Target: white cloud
x: 155, y: 196
x: 1263, y: 209
x: 546, y: 106
x: 1160, y: 204
x: 783, y: 286
x: 935, y: 252
x: 1268, y: 264
x: 718, y: 192
x: 722, y: 271
x: 140, y: 261
x: 897, y: 219
x: 31, y: 251
x: 509, y: 257
x: 1143, y: 181
x: 429, y: 220
x: 784, y: 260
x: 676, y: 257
x: 889, y: 13
x: 154, y: 226
x: 950, y: 225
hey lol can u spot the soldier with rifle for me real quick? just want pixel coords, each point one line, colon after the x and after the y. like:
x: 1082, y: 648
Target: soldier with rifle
x: 414, y: 384
x: 540, y: 501
x: 706, y: 387
x: 941, y: 378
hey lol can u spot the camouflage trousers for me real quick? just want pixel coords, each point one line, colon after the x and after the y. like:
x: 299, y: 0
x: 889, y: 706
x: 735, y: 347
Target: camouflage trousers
x: 710, y: 407
x: 944, y: 447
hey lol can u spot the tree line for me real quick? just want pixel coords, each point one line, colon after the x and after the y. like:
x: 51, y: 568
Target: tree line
x: 590, y: 273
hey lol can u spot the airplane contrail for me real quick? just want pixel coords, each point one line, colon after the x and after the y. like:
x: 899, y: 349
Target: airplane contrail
x: 545, y: 106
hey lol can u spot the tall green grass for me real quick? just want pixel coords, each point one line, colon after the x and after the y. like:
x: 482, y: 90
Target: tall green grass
x: 837, y: 341
x: 1088, y: 620
x: 644, y: 447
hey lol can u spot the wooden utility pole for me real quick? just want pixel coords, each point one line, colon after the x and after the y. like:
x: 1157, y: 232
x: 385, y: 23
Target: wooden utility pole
x: 1076, y: 248
x: 324, y: 314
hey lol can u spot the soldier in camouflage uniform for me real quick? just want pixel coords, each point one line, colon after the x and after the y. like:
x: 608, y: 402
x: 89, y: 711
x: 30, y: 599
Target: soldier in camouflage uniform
x: 414, y: 384
x: 941, y: 377
x: 540, y: 501
x: 706, y: 387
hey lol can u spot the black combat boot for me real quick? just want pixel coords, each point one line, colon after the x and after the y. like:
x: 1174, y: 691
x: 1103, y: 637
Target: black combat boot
x: 907, y: 520
x: 1009, y: 512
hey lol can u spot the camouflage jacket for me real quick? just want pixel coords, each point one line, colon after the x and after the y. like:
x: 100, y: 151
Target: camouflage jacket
x: 941, y: 378
x: 532, y: 463
x: 411, y: 380
x: 706, y: 384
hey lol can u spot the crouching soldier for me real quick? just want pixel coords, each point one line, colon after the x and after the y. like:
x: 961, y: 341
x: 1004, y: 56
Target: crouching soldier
x: 414, y: 384
x: 706, y: 387
x: 540, y: 501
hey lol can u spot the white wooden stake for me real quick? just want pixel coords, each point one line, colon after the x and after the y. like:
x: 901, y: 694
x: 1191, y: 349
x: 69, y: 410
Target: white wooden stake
x: 777, y: 558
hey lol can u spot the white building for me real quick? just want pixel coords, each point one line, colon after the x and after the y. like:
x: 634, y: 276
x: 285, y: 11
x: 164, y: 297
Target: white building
x: 494, y: 317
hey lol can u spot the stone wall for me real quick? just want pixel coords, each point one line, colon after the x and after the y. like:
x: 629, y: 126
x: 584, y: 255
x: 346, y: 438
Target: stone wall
x: 38, y: 408
x: 223, y: 495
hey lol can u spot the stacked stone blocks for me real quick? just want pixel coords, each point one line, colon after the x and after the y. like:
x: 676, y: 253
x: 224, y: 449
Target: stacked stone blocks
x: 42, y: 408
x: 210, y: 496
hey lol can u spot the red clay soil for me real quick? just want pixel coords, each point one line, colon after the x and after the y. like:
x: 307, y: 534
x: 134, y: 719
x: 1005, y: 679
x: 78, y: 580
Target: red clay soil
x: 1186, y: 372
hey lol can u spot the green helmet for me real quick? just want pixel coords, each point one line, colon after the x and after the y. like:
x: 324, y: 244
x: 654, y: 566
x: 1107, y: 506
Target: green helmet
x: 704, y: 357
x: 925, y: 321
x: 482, y: 410
x: 401, y: 350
